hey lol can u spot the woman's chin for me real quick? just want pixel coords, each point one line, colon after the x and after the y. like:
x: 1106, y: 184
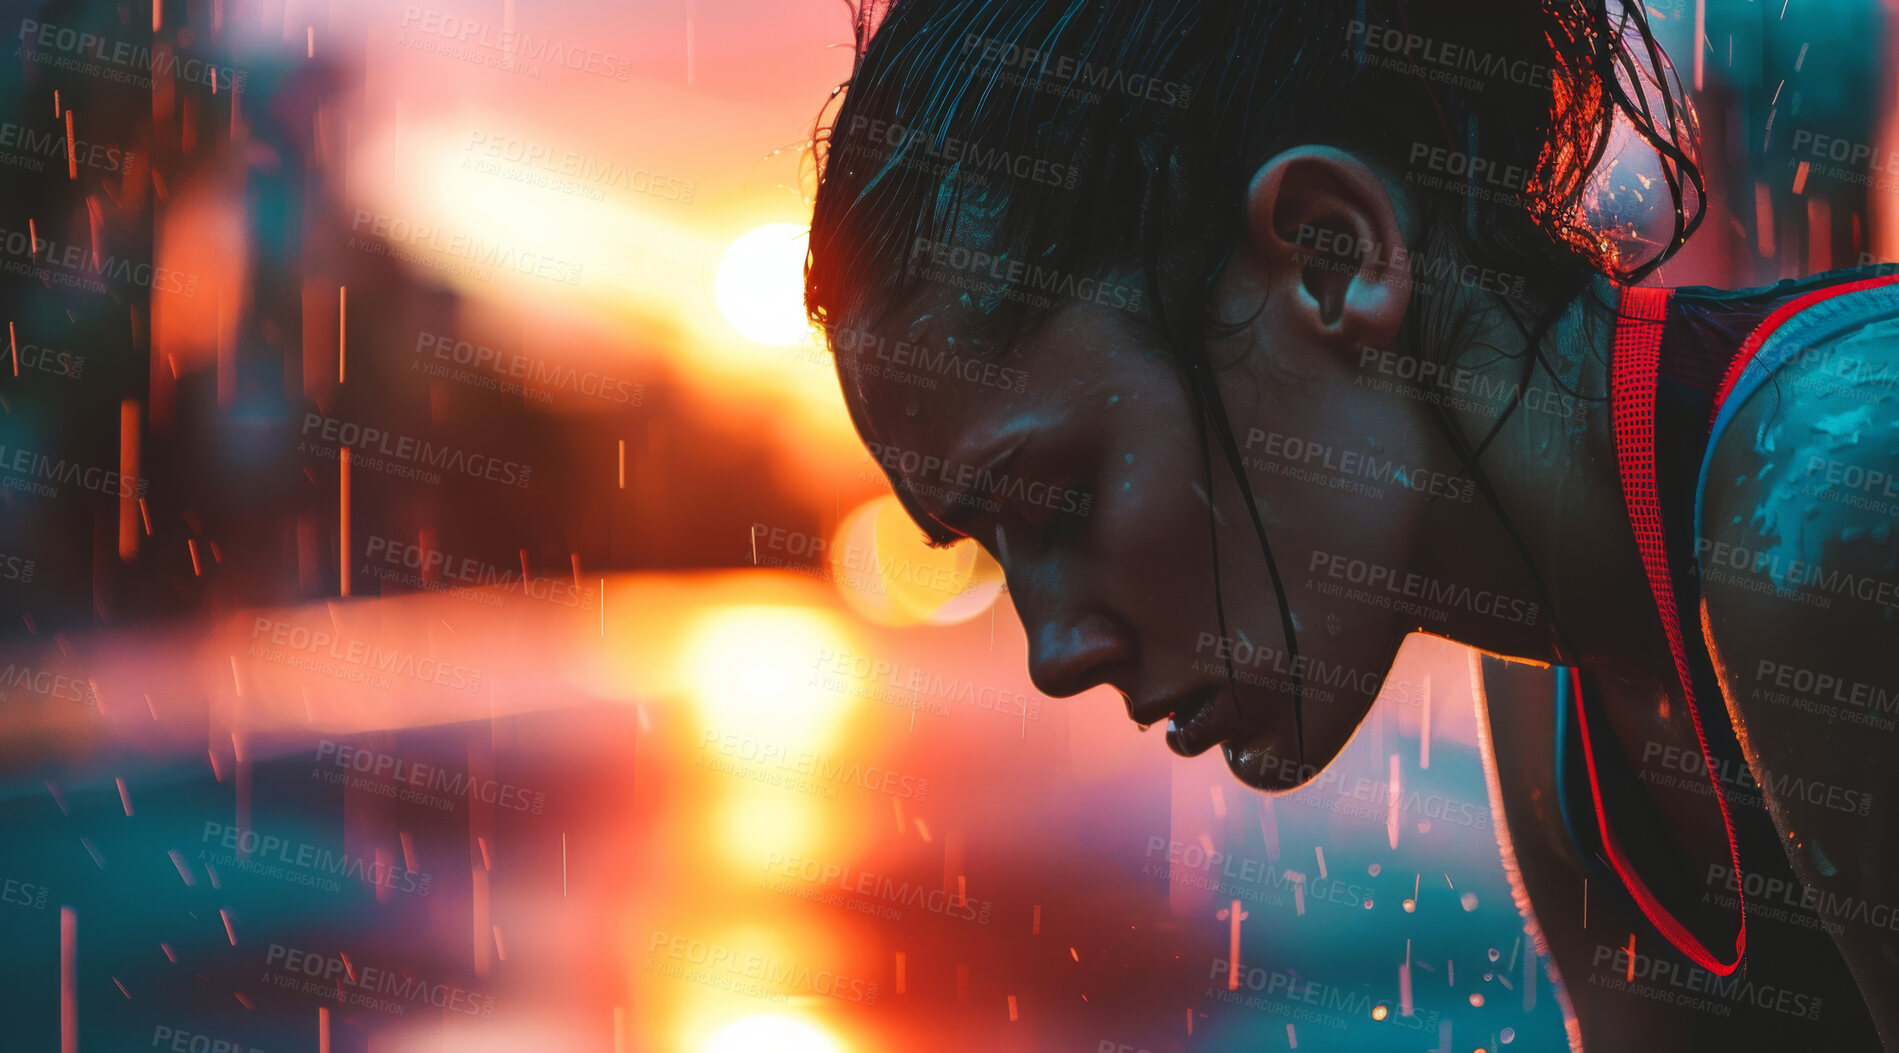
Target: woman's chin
x: 1268, y: 760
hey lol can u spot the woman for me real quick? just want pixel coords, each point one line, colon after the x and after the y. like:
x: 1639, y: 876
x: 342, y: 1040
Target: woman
x: 1315, y: 347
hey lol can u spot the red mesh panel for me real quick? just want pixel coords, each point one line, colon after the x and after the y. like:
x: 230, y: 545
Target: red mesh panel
x: 1633, y: 369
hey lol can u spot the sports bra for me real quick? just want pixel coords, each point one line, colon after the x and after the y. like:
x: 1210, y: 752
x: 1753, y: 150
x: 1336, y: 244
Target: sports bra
x: 1683, y: 362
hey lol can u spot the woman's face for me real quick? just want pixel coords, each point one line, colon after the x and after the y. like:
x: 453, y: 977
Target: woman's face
x: 1107, y: 521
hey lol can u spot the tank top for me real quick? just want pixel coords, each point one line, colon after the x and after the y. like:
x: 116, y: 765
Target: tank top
x: 1683, y: 363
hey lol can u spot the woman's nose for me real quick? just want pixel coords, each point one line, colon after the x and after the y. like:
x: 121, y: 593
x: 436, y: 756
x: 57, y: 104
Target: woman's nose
x: 1069, y: 656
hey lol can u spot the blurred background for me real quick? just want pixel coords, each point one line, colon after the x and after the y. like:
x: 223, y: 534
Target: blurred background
x: 445, y: 607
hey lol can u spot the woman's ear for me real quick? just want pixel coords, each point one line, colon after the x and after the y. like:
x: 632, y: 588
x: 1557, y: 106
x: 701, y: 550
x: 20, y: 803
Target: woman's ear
x: 1324, y: 240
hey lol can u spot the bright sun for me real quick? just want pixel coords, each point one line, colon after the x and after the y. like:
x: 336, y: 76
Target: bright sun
x: 759, y: 286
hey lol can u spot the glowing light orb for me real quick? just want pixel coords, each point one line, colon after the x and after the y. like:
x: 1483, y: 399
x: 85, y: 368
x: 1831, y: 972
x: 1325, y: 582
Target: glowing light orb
x: 770, y: 1034
x: 887, y: 574
x: 752, y: 815
x: 759, y: 286
x: 752, y: 670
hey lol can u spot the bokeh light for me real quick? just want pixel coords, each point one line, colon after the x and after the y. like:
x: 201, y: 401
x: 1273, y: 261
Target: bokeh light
x: 888, y: 574
x: 755, y: 668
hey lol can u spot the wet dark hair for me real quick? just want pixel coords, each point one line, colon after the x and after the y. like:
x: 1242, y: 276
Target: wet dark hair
x: 1088, y: 133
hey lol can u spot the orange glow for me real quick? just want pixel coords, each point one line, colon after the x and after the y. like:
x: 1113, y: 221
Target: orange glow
x: 781, y: 1034
x: 756, y: 668
x: 754, y: 819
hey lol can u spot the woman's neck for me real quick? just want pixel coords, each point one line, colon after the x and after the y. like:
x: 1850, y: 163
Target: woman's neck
x: 1555, y: 474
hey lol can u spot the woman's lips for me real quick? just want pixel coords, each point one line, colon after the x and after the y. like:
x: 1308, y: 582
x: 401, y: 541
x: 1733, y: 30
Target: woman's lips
x: 1200, y: 722
x: 1196, y: 721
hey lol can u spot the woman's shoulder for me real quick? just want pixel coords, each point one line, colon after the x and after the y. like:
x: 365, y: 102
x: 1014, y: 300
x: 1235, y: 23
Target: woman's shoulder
x: 1800, y: 491
x: 1799, y: 569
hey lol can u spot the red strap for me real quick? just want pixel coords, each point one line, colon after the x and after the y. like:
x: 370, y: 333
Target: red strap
x: 1634, y: 367
x: 1772, y: 322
